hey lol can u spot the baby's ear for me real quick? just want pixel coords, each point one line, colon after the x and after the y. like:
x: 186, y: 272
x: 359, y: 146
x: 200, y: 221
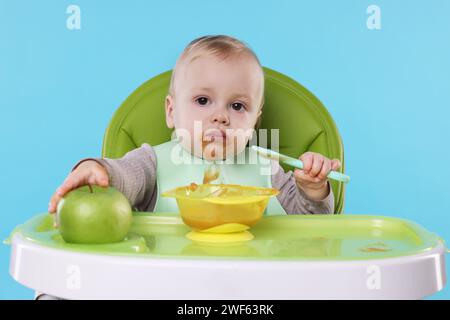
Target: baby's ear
x: 169, y: 111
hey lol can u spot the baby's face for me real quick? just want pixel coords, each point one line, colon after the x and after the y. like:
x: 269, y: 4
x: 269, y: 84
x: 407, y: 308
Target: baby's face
x: 215, y: 104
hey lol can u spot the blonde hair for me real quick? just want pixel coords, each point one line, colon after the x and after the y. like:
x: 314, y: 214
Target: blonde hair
x: 221, y: 46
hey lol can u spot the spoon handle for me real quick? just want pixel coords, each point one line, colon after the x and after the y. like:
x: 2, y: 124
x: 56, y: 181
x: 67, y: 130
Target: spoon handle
x: 297, y: 163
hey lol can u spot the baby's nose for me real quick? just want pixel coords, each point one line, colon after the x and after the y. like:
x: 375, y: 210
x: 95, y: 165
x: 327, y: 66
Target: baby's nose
x: 221, y: 118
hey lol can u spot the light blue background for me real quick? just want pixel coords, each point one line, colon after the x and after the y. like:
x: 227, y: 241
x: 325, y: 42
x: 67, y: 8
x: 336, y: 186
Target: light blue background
x: 388, y: 90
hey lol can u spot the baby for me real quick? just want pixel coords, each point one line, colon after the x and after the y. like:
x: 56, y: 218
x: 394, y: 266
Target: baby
x: 215, y: 101
x: 217, y: 85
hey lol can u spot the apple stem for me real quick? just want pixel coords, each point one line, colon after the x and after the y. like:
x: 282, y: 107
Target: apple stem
x: 90, y: 188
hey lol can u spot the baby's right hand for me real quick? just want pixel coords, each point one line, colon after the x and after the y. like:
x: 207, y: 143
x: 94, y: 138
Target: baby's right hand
x: 88, y: 172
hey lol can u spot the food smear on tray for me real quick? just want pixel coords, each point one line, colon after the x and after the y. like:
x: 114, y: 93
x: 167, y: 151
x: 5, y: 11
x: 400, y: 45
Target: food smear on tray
x: 376, y: 247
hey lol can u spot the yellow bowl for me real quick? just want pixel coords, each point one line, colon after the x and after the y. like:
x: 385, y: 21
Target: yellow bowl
x: 208, y: 205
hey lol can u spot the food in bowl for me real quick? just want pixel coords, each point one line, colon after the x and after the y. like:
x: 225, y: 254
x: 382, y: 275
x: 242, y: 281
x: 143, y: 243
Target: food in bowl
x: 208, y: 205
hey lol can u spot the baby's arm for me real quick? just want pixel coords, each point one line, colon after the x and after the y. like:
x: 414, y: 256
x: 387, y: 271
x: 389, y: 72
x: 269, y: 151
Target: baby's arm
x: 293, y: 199
x: 134, y: 175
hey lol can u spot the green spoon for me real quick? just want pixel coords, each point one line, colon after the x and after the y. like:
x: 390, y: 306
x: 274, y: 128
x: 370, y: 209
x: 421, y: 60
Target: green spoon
x: 297, y: 163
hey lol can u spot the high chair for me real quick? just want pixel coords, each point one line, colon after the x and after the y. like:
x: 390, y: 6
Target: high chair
x: 290, y: 257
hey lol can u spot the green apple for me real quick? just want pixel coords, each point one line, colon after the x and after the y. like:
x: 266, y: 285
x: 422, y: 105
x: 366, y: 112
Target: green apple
x: 93, y: 215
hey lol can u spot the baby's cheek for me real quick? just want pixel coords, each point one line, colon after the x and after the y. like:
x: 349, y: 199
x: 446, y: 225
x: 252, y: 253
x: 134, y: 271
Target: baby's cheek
x: 239, y: 143
x: 234, y: 146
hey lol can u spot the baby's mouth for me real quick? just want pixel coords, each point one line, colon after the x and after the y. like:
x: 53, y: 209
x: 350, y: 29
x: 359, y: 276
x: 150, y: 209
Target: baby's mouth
x: 215, y: 136
x: 212, y: 138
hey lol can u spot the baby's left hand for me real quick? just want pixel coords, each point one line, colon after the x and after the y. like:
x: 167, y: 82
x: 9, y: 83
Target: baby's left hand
x: 313, y: 178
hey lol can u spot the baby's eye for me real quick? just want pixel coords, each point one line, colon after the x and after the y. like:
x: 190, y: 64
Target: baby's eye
x: 202, y: 101
x: 238, y: 106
